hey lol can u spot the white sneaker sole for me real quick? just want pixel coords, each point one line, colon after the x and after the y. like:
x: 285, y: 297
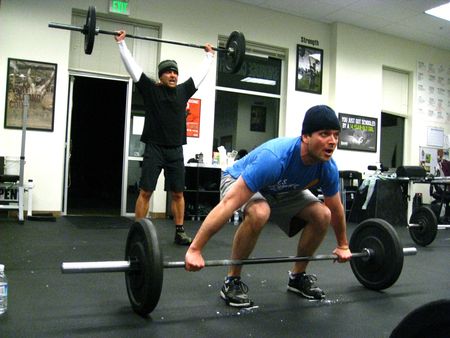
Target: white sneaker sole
x: 222, y: 295
x: 290, y: 288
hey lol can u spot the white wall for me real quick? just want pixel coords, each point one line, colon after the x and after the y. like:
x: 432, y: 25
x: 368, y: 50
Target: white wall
x: 25, y: 35
x: 360, y: 58
x: 352, y: 78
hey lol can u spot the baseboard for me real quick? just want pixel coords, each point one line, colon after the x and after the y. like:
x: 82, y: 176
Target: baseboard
x: 15, y: 213
x: 157, y: 215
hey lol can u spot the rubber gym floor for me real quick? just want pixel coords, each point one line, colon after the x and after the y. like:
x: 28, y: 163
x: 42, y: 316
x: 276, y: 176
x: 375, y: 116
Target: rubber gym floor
x: 43, y: 302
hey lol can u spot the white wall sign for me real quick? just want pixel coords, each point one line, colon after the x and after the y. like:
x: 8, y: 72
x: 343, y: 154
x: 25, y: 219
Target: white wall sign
x: 435, y: 137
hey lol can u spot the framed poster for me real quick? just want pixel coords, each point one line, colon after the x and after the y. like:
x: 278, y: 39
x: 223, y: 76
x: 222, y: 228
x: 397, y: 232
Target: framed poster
x: 193, y: 117
x: 227, y: 142
x: 38, y: 80
x: 358, y: 133
x: 309, y: 69
x: 258, y: 118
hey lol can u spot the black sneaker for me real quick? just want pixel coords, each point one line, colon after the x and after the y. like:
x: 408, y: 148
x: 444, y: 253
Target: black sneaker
x: 303, y: 284
x: 234, y: 293
x: 182, y: 239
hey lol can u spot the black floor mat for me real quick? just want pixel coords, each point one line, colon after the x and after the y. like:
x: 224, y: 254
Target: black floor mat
x: 100, y: 222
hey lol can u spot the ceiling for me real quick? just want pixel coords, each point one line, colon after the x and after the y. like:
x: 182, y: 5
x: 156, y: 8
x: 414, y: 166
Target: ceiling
x: 402, y: 18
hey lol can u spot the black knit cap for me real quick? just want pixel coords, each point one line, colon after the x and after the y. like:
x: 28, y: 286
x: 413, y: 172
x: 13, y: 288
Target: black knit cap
x: 166, y: 65
x: 320, y: 118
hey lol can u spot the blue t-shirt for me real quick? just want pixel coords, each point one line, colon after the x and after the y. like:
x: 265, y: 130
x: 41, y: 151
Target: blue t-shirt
x: 276, y: 166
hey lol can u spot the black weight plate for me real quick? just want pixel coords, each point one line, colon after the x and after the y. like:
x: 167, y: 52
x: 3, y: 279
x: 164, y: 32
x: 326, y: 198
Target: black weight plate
x: 426, y: 233
x: 145, y: 277
x: 89, y: 30
x: 235, y: 54
x: 429, y: 320
x: 382, y: 269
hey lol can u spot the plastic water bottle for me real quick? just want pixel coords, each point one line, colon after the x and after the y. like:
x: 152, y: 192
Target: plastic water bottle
x: 3, y: 290
x: 236, y: 218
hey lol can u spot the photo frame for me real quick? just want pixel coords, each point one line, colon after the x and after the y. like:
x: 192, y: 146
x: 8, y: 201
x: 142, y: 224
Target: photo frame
x: 358, y: 133
x: 38, y: 80
x: 308, y: 77
x: 227, y: 142
x: 258, y: 118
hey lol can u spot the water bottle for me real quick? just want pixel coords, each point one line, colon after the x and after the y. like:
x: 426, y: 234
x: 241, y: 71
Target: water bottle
x: 3, y: 290
x: 236, y: 218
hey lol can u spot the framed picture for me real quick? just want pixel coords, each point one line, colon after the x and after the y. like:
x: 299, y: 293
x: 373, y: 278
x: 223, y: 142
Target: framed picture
x: 258, y: 118
x: 227, y: 142
x: 38, y: 80
x: 309, y: 69
x: 358, y: 133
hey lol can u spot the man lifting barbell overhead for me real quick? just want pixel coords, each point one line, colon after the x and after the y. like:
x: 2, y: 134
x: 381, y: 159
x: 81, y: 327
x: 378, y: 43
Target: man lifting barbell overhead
x: 164, y: 131
x: 271, y: 184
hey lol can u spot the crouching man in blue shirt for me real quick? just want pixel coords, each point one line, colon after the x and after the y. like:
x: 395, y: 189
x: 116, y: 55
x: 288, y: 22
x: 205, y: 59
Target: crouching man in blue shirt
x: 272, y: 183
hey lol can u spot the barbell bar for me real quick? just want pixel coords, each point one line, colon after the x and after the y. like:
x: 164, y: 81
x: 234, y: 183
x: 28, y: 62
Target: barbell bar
x: 234, y: 50
x: 125, y: 266
x: 374, y: 243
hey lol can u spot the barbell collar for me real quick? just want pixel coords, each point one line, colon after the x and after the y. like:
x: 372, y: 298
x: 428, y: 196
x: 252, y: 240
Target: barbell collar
x: 411, y: 251
x: 104, y: 266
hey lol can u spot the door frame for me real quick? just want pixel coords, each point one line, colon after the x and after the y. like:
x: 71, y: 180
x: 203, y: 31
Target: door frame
x: 67, y: 144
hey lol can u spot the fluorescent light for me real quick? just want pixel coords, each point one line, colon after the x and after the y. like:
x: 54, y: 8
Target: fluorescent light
x: 442, y: 11
x: 259, y: 81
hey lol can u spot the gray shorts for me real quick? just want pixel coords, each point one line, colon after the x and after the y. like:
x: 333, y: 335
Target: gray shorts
x: 284, y: 206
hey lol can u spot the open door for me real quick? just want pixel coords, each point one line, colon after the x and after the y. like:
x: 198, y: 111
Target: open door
x: 95, y: 146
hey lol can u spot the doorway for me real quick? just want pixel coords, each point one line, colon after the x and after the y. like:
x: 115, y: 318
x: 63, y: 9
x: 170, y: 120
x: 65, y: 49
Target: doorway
x: 392, y: 140
x: 96, y: 146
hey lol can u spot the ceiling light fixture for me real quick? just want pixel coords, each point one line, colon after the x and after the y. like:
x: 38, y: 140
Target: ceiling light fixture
x: 259, y: 81
x: 442, y: 12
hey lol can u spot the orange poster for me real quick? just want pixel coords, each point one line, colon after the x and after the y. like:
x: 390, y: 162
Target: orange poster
x: 193, y: 117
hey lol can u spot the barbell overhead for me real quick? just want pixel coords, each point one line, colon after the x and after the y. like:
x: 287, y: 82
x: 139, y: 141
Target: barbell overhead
x: 377, y: 260
x: 234, y: 50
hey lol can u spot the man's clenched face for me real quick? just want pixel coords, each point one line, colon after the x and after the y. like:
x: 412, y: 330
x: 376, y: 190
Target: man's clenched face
x: 169, y: 78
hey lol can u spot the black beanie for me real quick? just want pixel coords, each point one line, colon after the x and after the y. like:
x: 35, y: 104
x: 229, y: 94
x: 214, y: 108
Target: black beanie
x: 320, y: 118
x: 166, y: 65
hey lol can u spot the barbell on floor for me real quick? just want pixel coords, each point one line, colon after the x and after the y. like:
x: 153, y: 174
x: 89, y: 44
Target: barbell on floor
x: 234, y: 50
x: 374, y: 243
x: 423, y: 226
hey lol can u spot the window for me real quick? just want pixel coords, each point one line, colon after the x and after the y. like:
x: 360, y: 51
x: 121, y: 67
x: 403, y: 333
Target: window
x: 248, y: 102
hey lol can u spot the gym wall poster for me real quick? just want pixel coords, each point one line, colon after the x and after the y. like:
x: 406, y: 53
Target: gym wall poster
x: 193, y: 109
x: 309, y: 69
x: 38, y: 80
x: 358, y: 133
